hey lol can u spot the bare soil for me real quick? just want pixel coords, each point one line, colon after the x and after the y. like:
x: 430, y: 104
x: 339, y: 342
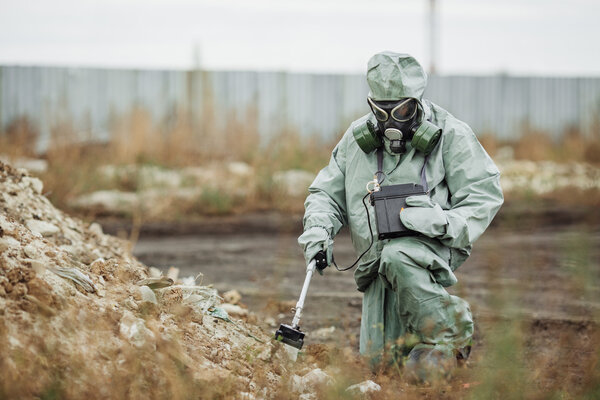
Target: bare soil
x: 266, y: 265
x: 523, y: 272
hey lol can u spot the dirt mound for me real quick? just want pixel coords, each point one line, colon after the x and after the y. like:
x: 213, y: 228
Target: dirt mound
x: 78, y: 316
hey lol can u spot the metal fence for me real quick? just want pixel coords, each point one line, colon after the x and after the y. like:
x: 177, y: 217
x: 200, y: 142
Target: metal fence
x: 310, y: 104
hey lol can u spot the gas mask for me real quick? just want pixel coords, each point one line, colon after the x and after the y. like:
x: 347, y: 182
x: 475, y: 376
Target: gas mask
x: 395, y: 119
x: 396, y: 122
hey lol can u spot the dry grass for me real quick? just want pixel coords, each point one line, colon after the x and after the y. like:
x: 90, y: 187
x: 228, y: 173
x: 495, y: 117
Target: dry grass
x: 489, y: 143
x: 507, y: 365
x: 538, y: 146
x: 181, y: 141
x: 136, y: 139
x: 18, y: 137
x: 535, y: 145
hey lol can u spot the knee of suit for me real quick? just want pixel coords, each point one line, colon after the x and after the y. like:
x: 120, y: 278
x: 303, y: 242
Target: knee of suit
x: 399, y: 269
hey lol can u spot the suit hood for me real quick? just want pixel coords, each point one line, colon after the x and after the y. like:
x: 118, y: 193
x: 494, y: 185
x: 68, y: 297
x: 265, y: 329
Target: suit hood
x: 392, y: 76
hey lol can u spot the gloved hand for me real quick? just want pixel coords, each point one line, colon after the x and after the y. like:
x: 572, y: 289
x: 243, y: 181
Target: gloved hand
x: 424, y: 216
x: 313, y: 240
x: 321, y: 261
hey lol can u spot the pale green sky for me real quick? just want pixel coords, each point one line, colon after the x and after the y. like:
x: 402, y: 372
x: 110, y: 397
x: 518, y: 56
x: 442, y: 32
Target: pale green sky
x: 540, y: 37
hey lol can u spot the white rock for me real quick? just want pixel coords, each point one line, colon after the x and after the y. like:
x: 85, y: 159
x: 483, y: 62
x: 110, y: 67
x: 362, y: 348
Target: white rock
x: 233, y: 309
x: 265, y: 354
x: 173, y: 273
x: 296, y: 383
x: 247, y: 396
x: 109, y: 200
x: 293, y: 182
x: 96, y: 228
x: 130, y: 303
x: 80, y: 253
x: 7, y: 242
x: 95, y: 254
x: 240, y: 169
x: 188, y: 281
x: 504, y: 154
x: 31, y: 251
x: 323, y: 333
x: 34, y: 183
x: 109, y: 171
x: 97, y: 263
x: 200, y: 175
x: 42, y: 227
x: 34, y: 165
x: 146, y: 176
x: 200, y: 297
x: 363, y: 388
x: 310, y: 381
x: 147, y: 294
x: 317, y: 377
x: 232, y: 296
x: 134, y: 330
x: 38, y: 266
x: 307, y: 396
x: 68, y: 249
x: 152, y: 176
x: 154, y: 272
x: 14, y: 342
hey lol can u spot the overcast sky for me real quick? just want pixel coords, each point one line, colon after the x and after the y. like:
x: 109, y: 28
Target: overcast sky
x: 540, y: 37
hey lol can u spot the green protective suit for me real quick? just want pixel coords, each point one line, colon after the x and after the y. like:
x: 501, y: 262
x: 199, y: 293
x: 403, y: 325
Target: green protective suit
x: 403, y: 279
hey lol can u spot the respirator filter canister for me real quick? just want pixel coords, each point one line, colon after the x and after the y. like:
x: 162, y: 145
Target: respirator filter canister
x: 365, y: 134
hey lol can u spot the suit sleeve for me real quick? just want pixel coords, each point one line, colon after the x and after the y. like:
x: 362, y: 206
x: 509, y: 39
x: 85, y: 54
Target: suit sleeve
x: 325, y: 206
x: 474, y: 184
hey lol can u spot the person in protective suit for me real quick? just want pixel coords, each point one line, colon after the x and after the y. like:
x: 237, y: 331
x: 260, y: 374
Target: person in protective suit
x: 403, y: 278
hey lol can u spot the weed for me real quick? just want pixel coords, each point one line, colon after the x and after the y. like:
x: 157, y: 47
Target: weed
x: 214, y: 201
x: 137, y: 141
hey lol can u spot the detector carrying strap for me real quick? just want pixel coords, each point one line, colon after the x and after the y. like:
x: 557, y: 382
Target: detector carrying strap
x: 381, y: 175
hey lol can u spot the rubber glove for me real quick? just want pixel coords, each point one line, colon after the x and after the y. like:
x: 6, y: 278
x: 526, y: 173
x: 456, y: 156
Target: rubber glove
x: 314, y: 240
x: 424, y: 216
x: 321, y: 261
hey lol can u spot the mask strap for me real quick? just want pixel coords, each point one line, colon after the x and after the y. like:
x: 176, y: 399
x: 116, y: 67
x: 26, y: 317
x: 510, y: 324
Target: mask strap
x: 424, y: 175
x: 380, y: 174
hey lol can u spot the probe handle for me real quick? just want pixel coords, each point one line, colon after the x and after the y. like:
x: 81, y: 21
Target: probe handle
x: 310, y: 269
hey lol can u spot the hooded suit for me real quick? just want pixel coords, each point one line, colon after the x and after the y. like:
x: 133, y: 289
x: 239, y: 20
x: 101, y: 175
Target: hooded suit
x: 403, y: 279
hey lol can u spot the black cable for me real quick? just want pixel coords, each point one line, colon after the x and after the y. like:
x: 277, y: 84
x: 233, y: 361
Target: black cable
x: 368, y: 248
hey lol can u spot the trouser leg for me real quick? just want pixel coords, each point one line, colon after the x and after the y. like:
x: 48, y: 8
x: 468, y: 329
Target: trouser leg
x: 380, y: 324
x: 424, y: 308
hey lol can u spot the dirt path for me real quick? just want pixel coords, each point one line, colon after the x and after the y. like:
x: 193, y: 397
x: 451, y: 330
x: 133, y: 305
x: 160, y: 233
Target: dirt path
x: 533, y: 268
x: 534, y: 293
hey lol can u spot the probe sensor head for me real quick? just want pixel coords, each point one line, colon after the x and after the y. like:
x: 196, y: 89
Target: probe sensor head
x: 290, y: 336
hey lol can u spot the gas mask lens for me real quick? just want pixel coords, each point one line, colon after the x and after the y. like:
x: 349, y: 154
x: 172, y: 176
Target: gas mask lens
x: 401, y: 111
x: 405, y: 111
x: 380, y: 114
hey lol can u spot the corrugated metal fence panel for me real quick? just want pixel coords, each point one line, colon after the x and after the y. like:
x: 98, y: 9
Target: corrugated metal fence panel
x: 91, y: 100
